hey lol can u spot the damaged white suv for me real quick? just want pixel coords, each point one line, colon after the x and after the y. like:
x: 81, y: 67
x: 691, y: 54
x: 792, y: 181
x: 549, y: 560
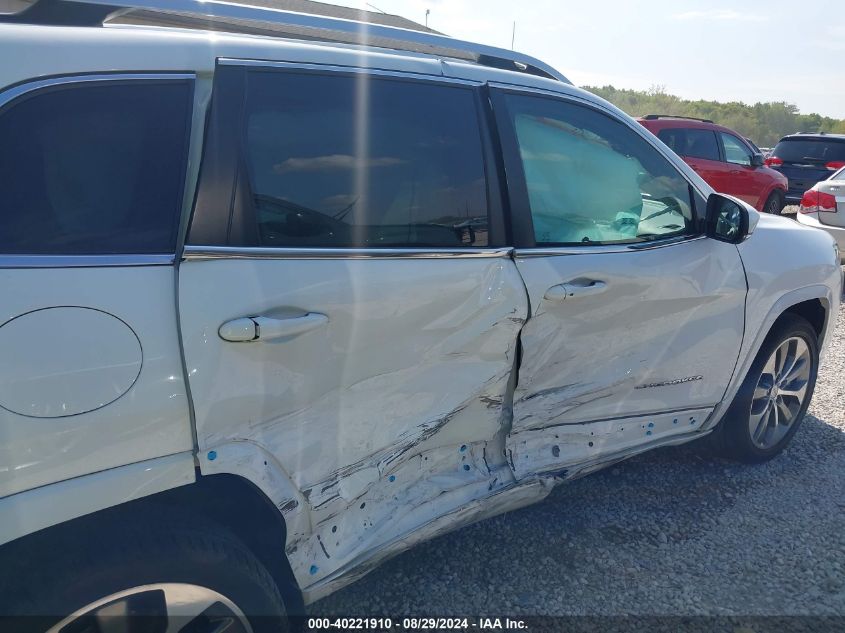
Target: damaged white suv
x: 274, y: 310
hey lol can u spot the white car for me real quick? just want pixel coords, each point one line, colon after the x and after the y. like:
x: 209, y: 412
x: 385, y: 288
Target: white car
x: 823, y: 207
x: 274, y: 310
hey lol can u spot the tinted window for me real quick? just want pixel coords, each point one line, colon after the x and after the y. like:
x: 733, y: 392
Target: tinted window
x: 799, y: 150
x: 94, y: 168
x: 735, y: 151
x: 691, y: 142
x: 591, y: 179
x: 344, y: 161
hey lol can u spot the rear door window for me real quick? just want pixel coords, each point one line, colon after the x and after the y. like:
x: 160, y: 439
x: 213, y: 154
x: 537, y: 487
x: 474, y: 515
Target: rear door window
x: 691, y: 142
x: 364, y: 161
x: 94, y: 168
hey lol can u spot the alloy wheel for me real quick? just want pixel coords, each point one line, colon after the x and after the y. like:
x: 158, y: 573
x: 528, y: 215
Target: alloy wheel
x: 169, y: 607
x: 773, y: 207
x: 780, y: 393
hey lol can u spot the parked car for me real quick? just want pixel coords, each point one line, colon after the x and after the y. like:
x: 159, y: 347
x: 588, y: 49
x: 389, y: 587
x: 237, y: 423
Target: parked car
x: 823, y: 207
x: 806, y: 159
x: 726, y: 160
x: 250, y: 347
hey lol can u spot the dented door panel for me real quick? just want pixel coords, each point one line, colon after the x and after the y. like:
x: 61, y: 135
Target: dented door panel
x: 397, y: 401
x: 663, y: 335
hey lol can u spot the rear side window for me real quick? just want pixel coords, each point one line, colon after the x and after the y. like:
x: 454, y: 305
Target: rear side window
x: 691, y: 142
x: 346, y: 161
x: 797, y: 150
x: 94, y: 168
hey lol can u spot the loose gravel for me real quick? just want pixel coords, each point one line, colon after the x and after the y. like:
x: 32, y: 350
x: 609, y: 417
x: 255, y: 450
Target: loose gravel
x: 666, y: 533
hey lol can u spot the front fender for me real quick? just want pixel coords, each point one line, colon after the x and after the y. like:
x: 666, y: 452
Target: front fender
x: 785, y: 264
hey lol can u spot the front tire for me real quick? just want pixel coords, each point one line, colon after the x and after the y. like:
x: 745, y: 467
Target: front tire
x: 195, y: 576
x: 771, y: 403
x: 774, y: 203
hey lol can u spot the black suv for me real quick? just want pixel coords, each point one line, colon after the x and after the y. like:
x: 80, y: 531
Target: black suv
x: 805, y: 159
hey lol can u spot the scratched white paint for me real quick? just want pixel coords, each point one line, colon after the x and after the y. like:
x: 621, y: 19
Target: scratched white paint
x: 665, y: 314
x: 383, y: 417
x: 357, y: 431
x: 566, y: 450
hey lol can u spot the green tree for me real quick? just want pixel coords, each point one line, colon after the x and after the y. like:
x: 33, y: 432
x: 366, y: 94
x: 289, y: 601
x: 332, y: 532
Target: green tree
x: 764, y: 123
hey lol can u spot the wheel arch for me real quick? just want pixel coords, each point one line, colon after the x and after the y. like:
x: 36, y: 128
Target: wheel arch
x: 814, y: 303
x: 240, y: 506
x: 815, y: 311
x: 54, y: 515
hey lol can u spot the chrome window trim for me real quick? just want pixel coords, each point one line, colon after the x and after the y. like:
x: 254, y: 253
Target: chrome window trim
x: 203, y: 253
x: 552, y: 251
x: 358, y: 70
x: 10, y: 94
x: 85, y: 261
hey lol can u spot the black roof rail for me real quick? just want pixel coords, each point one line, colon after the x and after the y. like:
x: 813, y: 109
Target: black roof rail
x: 652, y: 117
x: 219, y: 15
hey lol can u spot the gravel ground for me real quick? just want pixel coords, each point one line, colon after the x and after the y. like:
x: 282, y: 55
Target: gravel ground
x: 666, y: 533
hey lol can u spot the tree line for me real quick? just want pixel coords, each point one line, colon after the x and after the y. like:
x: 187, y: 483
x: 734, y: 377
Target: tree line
x: 763, y: 123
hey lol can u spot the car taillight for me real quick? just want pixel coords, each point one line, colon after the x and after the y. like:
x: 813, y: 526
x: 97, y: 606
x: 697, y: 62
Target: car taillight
x: 817, y: 202
x: 835, y: 164
x: 773, y: 161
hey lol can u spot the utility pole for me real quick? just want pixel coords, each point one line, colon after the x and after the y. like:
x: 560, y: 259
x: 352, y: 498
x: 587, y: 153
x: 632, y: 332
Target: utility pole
x: 513, y: 34
x: 427, y: 11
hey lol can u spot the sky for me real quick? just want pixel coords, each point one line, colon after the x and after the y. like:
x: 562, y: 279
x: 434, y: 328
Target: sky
x: 749, y: 51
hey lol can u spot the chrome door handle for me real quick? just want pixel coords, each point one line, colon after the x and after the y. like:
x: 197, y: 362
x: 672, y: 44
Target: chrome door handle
x: 575, y: 288
x: 252, y: 329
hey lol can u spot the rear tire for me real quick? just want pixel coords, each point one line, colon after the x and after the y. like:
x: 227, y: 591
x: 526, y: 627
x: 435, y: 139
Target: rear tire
x: 50, y: 576
x: 774, y: 203
x: 767, y: 410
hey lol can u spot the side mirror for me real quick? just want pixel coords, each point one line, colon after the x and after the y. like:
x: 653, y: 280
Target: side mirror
x: 757, y: 160
x: 727, y: 219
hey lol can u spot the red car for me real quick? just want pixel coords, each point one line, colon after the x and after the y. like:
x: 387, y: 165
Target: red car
x: 724, y: 158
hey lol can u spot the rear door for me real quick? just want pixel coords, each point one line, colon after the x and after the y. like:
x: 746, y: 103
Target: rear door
x: 700, y: 149
x: 91, y: 187
x: 636, y: 319
x: 346, y: 304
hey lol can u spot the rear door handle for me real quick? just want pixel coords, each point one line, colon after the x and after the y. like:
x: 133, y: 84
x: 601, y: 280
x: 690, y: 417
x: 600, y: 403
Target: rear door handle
x: 575, y: 288
x: 256, y: 329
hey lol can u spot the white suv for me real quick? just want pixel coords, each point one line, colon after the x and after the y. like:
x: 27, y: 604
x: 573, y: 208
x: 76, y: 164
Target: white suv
x: 274, y: 310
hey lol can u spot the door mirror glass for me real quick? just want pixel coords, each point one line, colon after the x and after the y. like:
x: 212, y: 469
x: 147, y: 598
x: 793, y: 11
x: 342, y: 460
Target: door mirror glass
x: 727, y: 219
x: 757, y: 160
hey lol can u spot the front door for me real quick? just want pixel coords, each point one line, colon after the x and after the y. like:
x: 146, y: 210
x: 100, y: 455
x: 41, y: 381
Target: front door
x: 747, y: 182
x: 344, y: 306
x: 636, y: 319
